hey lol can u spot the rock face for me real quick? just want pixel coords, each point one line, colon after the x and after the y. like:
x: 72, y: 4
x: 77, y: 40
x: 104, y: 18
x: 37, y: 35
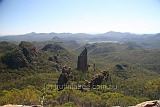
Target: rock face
x: 82, y: 61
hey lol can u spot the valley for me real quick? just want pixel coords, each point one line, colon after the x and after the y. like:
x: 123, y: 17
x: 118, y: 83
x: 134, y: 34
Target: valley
x: 28, y: 67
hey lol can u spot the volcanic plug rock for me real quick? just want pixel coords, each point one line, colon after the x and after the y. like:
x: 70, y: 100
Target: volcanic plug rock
x: 82, y: 61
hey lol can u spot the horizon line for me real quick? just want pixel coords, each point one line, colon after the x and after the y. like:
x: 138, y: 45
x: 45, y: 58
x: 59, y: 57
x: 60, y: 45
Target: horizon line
x: 91, y: 33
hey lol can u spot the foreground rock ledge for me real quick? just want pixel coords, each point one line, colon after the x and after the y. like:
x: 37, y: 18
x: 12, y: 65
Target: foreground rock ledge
x: 144, y: 104
x: 149, y: 104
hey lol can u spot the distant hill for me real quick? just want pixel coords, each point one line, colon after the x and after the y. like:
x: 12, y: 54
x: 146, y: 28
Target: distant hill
x: 29, y: 37
x: 153, y: 41
x: 43, y: 36
x: 145, y: 40
x: 68, y: 44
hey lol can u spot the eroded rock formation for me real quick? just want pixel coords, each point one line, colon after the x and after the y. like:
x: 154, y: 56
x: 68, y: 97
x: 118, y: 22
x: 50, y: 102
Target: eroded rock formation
x: 29, y: 50
x: 64, y: 77
x: 62, y: 81
x: 82, y: 61
x: 98, y: 78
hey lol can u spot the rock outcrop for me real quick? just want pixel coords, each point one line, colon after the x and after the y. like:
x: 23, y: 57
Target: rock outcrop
x: 64, y: 77
x: 149, y: 104
x: 52, y: 47
x: 20, y: 57
x: 82, y: 61
x: 97, y: 79
x: 62, y: 81
x: 29, y: 50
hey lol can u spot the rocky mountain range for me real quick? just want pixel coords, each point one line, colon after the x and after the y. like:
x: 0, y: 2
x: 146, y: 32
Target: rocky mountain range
x: 147, y: 40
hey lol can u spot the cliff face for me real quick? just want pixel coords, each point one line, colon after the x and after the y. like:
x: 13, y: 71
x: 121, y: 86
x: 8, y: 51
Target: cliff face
x: 82, y: 61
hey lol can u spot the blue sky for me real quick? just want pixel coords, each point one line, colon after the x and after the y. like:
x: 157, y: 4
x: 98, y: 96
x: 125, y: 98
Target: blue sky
x: 79, y: 16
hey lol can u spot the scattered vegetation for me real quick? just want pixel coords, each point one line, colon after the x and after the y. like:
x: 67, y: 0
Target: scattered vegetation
x: 28, y: 73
